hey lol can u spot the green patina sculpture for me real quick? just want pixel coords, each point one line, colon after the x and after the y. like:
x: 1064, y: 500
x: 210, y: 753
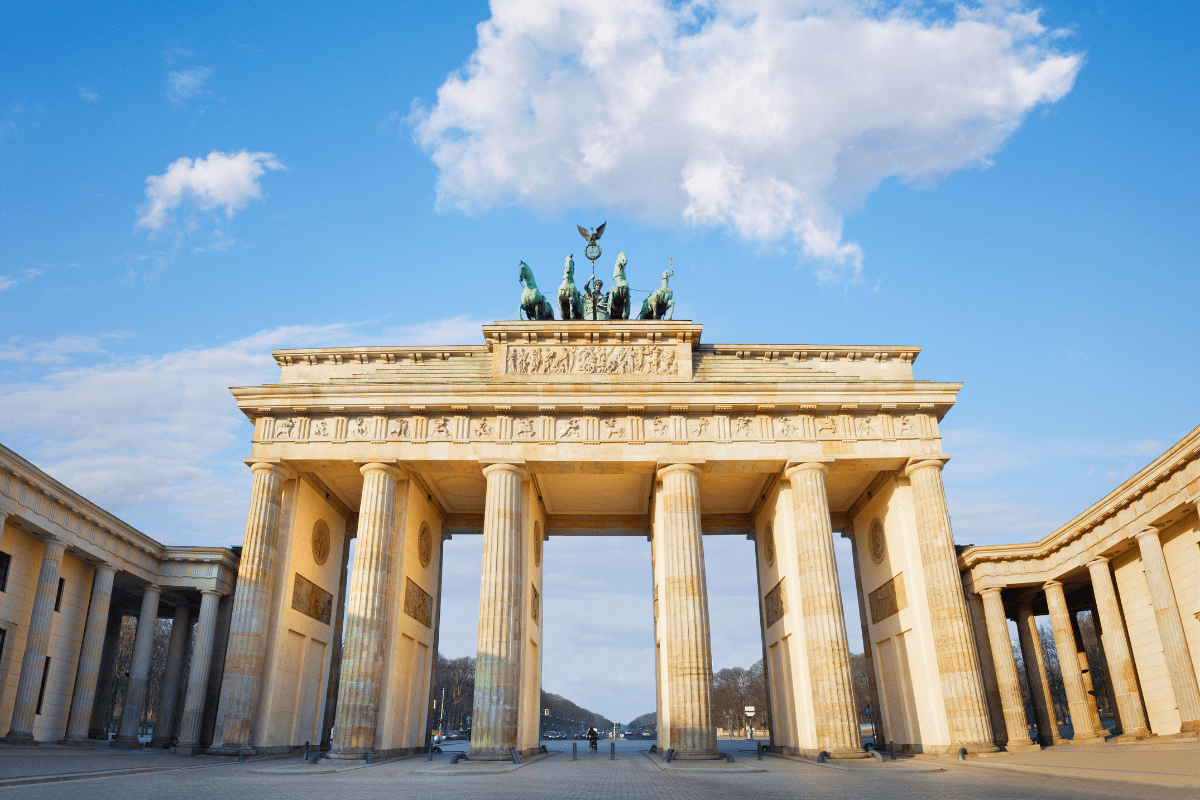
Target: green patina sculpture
x: 618, y: 296
x: 570, y: 304
x: 533, y: 302
x: 660, y: 304
x: 595, y: 300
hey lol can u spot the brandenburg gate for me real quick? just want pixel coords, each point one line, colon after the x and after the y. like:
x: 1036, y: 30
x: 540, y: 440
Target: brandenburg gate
x: 601, y: 428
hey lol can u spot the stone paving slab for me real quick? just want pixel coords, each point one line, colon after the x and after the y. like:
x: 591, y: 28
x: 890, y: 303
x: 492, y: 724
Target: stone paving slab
x: 696, y: 767
x: 477, y: 767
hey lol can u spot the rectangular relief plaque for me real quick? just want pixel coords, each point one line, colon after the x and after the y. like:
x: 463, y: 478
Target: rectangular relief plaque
x: 418, y: 603
x: 535, y: 607
x: 776, y: 604
x: 310, y: 599
x: 888, y: 599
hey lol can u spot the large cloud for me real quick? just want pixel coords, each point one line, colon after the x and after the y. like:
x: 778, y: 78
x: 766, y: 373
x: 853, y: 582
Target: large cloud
x: 769, y: 117
x: 219, y: 181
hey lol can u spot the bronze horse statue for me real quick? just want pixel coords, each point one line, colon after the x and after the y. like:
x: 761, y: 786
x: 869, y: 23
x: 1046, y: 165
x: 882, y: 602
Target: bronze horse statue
x: 659, y: 305
x: 570, y: 304
x: 618, y: 296
x: 533, y: 303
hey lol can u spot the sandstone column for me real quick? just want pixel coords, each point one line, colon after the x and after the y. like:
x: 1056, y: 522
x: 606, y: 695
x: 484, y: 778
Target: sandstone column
x: 987, y: 667
x: 856, y: 545
x: 164, y: 717
x: 958, y: 664
x: 1121, y: 671
x: 1006, y: 668
x: 102, y: 707
x: 824, y: 621
x: 335, y: 659
x: 90, y: 657
x: 197, y: 685
x: 498, y: 662
x: 1170, y: 630
x: 246, y: 653
x: 1068, y: 665
x: 684, y: 609
x: 37, y: 642
x: 366, y: 614
x: 1085, y: 672
x: 139, y: 672
x: 1035, y: 673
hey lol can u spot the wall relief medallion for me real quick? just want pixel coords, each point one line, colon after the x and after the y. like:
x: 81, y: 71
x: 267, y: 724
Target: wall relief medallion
x: 535, y: 604
x: 592, y: 359
x: 877, y: 542
x: 425, y: 545
x: 320, y: 542
x: 769, y: 546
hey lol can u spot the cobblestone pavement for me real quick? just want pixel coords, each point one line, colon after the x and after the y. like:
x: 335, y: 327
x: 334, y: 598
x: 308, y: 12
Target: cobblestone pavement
x: 21, y: 762
x: 632, y: 775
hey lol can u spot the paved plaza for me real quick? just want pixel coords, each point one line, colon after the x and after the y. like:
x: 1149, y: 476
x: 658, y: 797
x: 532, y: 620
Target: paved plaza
x: 632, y: 775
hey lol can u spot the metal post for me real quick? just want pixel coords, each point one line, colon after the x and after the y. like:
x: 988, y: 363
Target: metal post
x: 574, y: 751
x: 612, y: 751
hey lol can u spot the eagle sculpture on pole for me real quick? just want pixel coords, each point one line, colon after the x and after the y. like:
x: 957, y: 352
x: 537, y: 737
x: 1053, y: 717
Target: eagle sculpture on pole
x: 591, y: 235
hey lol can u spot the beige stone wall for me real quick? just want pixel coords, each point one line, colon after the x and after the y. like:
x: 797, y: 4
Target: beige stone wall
x: 16, y: 606
x: 1181, y: 546
x: 408, y: 659
x: 296, y: 671
x: 903, y: 644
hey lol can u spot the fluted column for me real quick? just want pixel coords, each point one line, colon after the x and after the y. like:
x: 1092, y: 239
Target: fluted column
x: 197, y: 685
x: 1170, y: 630
x: 498, y: 661
x: 37, y: 642
x: 684, y: 610
x: 856, y: 548
x: 1011, y: 699
x: 91, y: 655
x: 139, y: 672
x: 102, y: 707
x: 1121, y: 672
x: 1064, y: 642
x: 245, y: 656
x: 329, y: 717
x: 366, y: 614
x: 1035, y: 673
x: 164, y: 717
x: 958, y: 664
x: 824, y: 621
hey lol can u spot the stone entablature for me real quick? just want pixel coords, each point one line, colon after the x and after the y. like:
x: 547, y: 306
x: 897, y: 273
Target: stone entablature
x: 42, y: 507
x: 1161, y: 494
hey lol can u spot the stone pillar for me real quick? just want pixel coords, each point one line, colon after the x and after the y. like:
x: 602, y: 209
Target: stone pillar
x: 684, y: 602
x: 335, y: 658
x: 1064, y: 642
x: 102, y: 707
x: 1011, y: 699
x: 958, y: 664
x: 987, y: 666
x: 1170, y: 630
x: 164, y: 717
x: 1085, y: 672
x: 37, y: 642
x: 197, y: 685
x: 1035, y: 673
x: 91, y: 654
x: 498, y: 662
x: 139, y: 672
x: 824, y: 621
x: 366, y: 613
x: 856, y: 544
x: 1121, y: 672
x: 216, y: 671
x: 246, y: 654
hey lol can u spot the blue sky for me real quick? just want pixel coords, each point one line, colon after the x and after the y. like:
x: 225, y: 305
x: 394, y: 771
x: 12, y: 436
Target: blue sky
x: 1013, y: 189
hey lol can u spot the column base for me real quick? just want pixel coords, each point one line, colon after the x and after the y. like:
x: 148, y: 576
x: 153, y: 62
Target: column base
x: 488, y: 754
x: 848, y: 753
x: 126, y: 743
x: 1083, y: 741
x: 975, y: 748
x: 1133, y: 736
x: 165, y: 744
x: 191, y: 749
x: 225, y: 749
x: 20, y: 738
x: 352, y: 753
x: 1191, y: 726
x: 76, y: 741
x: 1022, y: 747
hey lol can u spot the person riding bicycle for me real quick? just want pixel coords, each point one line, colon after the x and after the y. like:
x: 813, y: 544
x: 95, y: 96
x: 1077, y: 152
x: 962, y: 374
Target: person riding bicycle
x: 592, y: 736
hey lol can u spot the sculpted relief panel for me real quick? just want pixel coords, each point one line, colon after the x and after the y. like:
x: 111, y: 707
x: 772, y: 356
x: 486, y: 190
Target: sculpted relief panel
x: 592, y: 359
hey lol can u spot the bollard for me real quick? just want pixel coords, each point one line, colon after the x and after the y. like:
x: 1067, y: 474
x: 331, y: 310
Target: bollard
x: 962, y: 754
x: 430, y: 750
x: 512, y: 751
x: 612, y: 751
x: 454, y: 759
x: 821, y: 756
x: 574, y: 751
x: 314, y: 758
x: 305, y: 757
x: 760, y: 751
x: 670, y: 754
x: 368, y: 754
x: 240, y: 758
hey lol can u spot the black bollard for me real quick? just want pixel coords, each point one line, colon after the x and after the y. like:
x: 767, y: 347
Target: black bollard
x: 760, y: 749
x: 240, y: 758
x: 612, y: 751
x: 368, y: 757
x: 574, y: 751
x: 305, y: 757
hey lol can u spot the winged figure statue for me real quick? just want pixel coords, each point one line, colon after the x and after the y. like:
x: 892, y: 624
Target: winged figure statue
x: 591, y: 235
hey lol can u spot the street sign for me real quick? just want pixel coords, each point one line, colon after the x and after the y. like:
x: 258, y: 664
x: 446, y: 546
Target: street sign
x: 749, y: 709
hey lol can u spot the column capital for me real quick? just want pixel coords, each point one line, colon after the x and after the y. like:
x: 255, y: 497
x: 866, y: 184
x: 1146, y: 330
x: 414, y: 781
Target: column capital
x: 53, y: 541
x: 217, y: 593
x: 258, y: 465
x: 794, y: 467
x: 106, y: 567
x: 1149, y: 530
x: 515, y: 469
x: 923, y: 462
x: 153, y: 588
x: 691, y: 469
x: 1098, y: 561
x: 379, y: 466
x: 988, y: 592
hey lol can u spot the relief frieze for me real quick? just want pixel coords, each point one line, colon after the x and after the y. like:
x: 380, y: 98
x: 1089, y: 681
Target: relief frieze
x: 592, y: 359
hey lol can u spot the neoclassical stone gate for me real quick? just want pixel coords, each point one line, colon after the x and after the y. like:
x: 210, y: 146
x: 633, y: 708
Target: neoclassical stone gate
x: 611, y: 428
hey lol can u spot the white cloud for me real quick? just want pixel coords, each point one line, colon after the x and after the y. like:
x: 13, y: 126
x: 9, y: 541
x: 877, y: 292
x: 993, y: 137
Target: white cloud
x: 183, y: 85
x: 158, y: 439
x: 86, y: 94
x: 13, y: 280
x: 222, y: 180
x: 770, y: 118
